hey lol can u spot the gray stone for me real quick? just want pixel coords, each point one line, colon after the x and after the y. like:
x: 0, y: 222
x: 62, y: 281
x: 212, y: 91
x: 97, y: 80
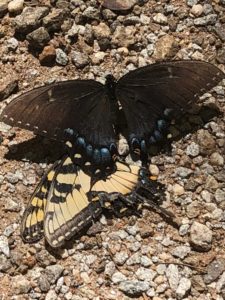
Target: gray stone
x: 134, y: 259
x: 5, y: 263
x: 221, y: 56
x: 8, y: 85
x: 183, y: 172
x: 161, y: 269
x: 43, y: 283
x: 119, y: 4
x: 198, y: 283
x: 145, y: 261
x: 61, y: 57
x: 53, y: 273
x: 200, y: 237
x: 4, y: 246
x: 220, y: 285
x: 110, y: 269
x: 183, y: 288
x: 181, y: 251
x: 205, y: 140
x: 101, y: 31
x: 220, y: 31
x: 173, y: 276
x: 208, y: 9
x: 118, y: 277
x: 216, y: 159
x: 12, y: 44
x: 91, y: 13
x: 38, y: 38
x: 183, y: 230
x: 120, y: 258
x: 219, y: 195
x: 211, y: 183
x: 124, y: 36
x: 79, y: 59
x: 206, y: 20
x: 15, y: 6
x: 160, y: 19
x: 191, y: 2
x: 11, y: 205
x: 193, y: 209
x: 132, y: 230
x: 133, y: 287
x: 132, y: 20
x: 192, y: 149
x: 30, y: 19
x: 161, y: 288
x: 9, y: 230
x: 166, y: 47
x: 145, y: 274
x: 214, y: 270
x: 20, y: 285
x: 54, y: 19
x: 51, y: 295
x: 122, y: 234
x: 90, y: 259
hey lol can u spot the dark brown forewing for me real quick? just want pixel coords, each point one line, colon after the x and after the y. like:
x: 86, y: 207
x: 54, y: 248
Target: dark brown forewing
x: 118, y: 4
x: 145, y: 93
x: 81, y: 105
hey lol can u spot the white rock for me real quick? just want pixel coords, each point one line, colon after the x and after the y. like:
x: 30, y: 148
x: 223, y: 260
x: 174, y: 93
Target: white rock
x: 197, y: 10
x: 15, y: 6
x: 178, y: 189
x: 160, y: 19
x: 4, y: 246
x: 183, y: 288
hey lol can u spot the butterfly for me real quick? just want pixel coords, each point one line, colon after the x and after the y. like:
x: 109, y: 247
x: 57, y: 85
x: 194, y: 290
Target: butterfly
x: 67, y: 200
x: 89, y: 115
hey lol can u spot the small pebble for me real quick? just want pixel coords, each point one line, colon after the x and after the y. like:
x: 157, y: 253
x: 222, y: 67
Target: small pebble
x: 200, y: 237
x: 15, y: 6
x: 61, y: 57
x: 197, y: 10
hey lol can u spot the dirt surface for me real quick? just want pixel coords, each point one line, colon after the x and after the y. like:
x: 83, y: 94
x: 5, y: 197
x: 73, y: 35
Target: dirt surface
x: 132, y: 257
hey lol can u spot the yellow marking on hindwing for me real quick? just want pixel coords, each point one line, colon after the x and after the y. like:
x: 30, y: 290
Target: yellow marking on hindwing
x: 50, y: 175
x: 84, y: 180
x: 28, y: 220
x: 59, y: 194
x: 120, y: 188
x: 126, y: 176
x: 34, y: 201
x: 81, y: 199
x: 43, y: 189
x: 134, y: 170
x: 66, y: 178
x: 33, y: 219
x: 122, y: 167
x: 130, y: 185
x: 40, y: 215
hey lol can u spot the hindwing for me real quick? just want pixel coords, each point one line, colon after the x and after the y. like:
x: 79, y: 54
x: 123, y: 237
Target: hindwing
x: 68, y: 210
x: 32, y: 226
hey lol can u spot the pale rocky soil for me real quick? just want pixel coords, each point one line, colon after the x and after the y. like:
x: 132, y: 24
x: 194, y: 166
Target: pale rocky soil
x: 142, y: 258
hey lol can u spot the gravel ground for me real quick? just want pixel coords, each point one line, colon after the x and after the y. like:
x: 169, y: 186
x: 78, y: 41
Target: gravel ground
x: 143, y: 258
